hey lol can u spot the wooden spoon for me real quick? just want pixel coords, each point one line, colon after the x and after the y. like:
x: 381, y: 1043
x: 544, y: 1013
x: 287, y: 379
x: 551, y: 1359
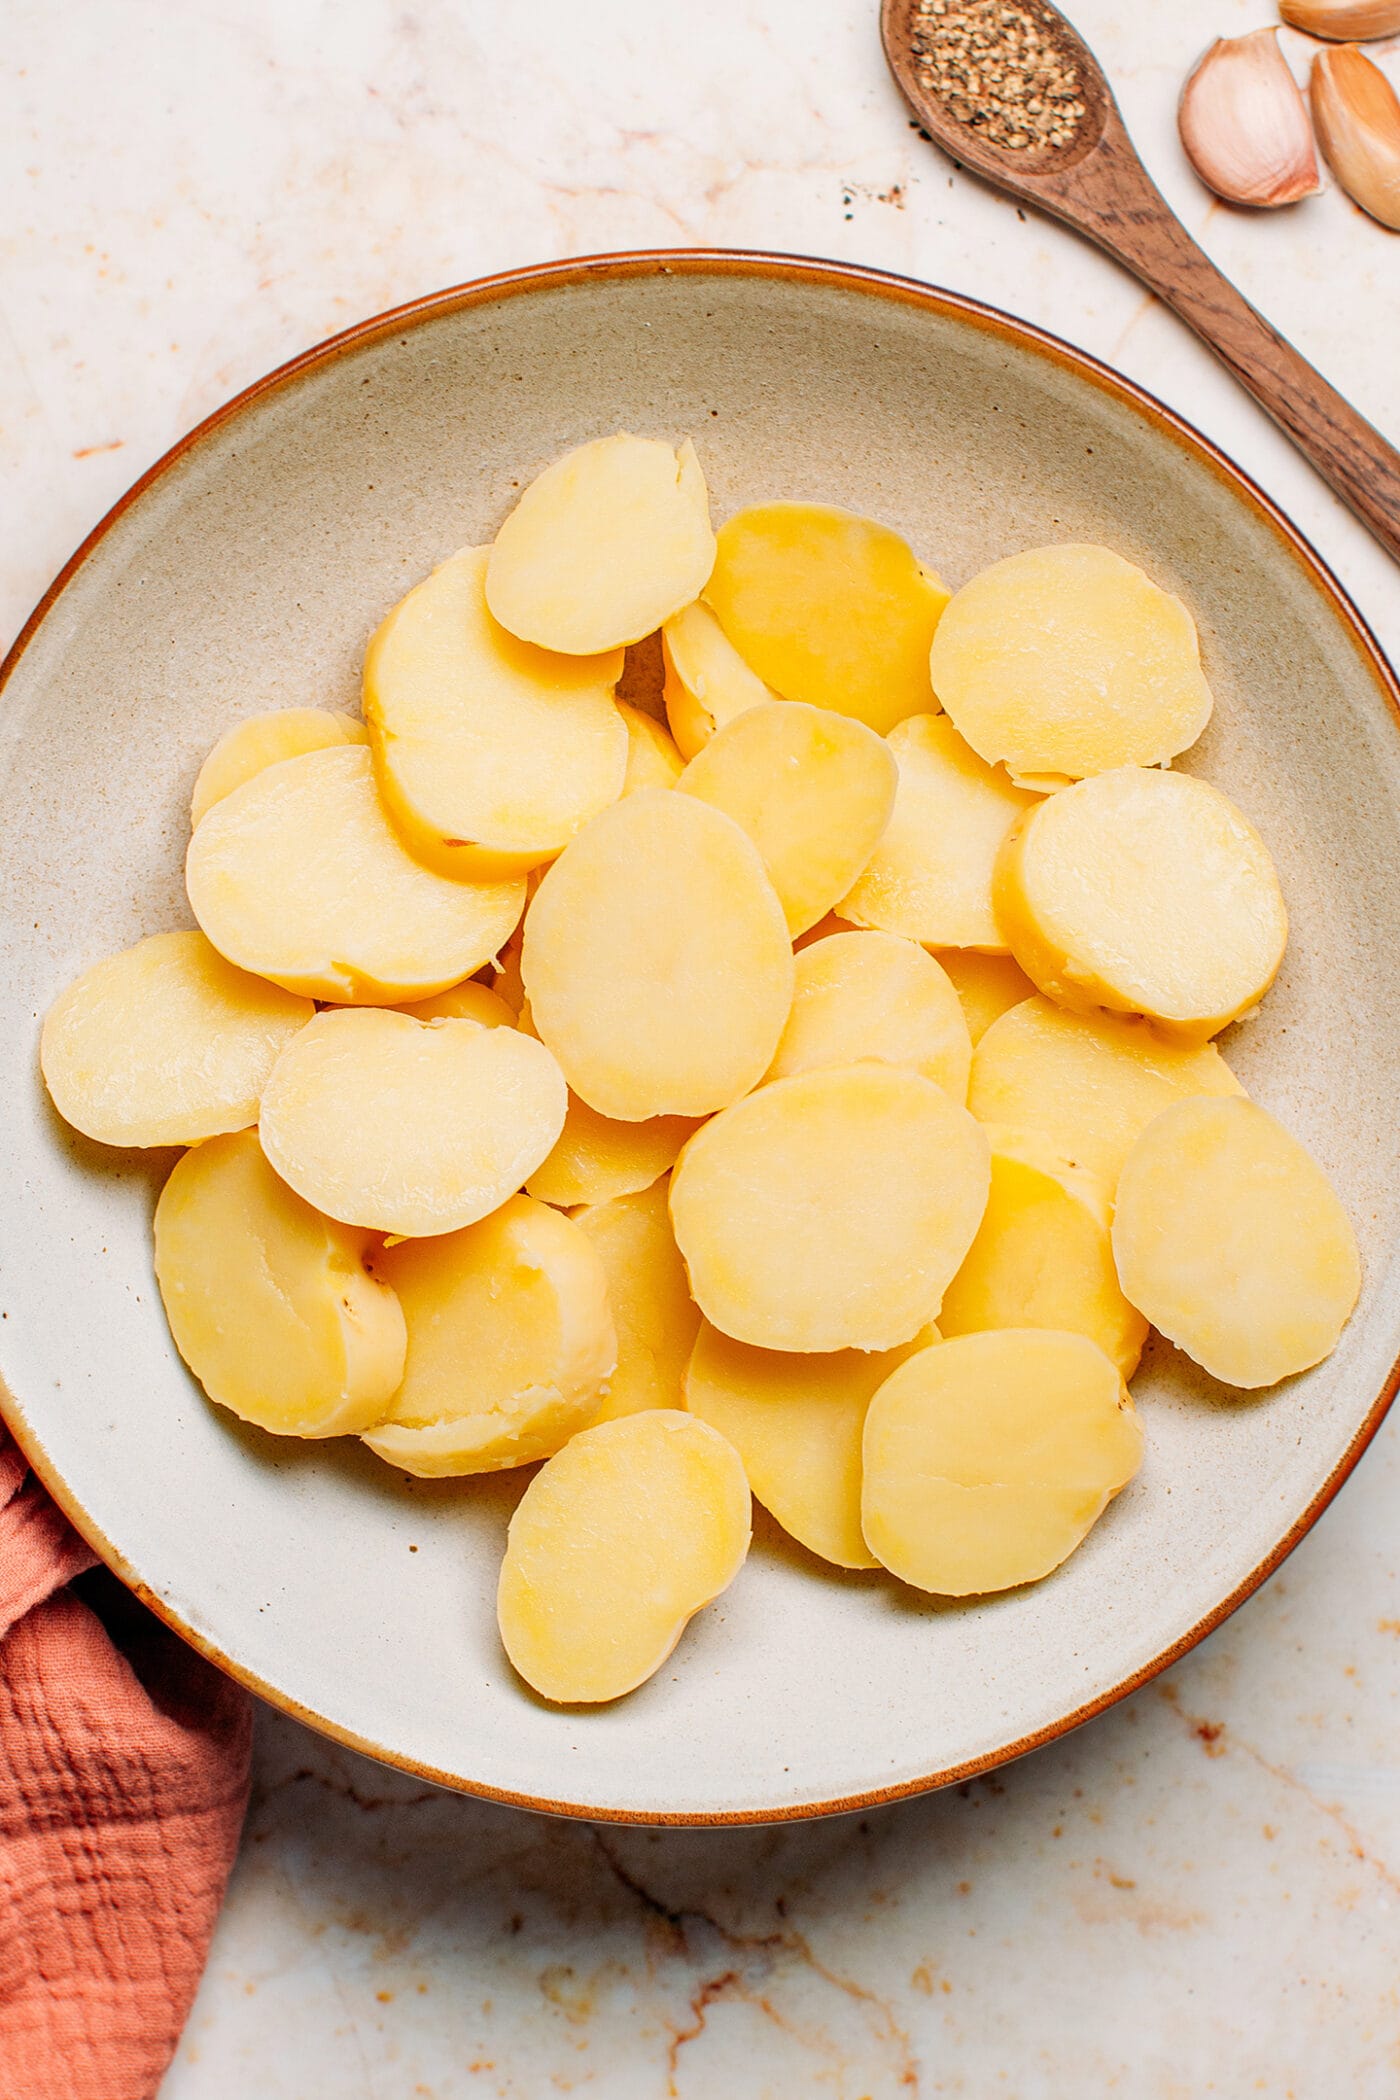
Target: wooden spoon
x: 1096, y: 183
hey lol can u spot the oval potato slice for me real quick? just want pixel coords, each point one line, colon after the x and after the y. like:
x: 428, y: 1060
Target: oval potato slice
x: 987, y: 985
x: 264, y: 740
x: 652, y: 757
x: 862, y: 995
x: 656, y: 1316
x: 616, y: 1543
x: 595, y: 1158
x: 707, y: 682
x: 471, y: 1001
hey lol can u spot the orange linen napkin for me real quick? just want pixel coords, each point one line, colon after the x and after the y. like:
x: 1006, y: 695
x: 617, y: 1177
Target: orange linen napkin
x: 123, y: 1783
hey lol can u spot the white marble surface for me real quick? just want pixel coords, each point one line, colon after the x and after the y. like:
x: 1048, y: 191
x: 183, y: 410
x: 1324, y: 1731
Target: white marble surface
x: 1198, y: 1894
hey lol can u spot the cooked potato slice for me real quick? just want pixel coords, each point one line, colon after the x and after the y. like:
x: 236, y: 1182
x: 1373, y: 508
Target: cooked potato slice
x: 165, y: 1043
x: 615, y: 1545
x: 1144, y: 892
x: 652, y: 758
x: 603, y: 546
x: 1042, y: 1256
x: 1231, y: 1239
x: 299, y: 876
x: 269, y: 1303
x: 407, y: 1126
x: 988, y: 1458
x: 813, y: 790
x: 830, y: 1210
x: 828, y: 607
x: 656, y: 960
x: 796, y: 1422
x: 707, y: 681
x: 862, y: 995
x: 509, y: 1342
x: 930, y: 877
x: 655, y: 1314
x: 471, y: 1001
x: 1065, y: 661
x: 987, y: 985
x: 1087, y: 1084
x: 264, y: 740
x: 596, y: 1158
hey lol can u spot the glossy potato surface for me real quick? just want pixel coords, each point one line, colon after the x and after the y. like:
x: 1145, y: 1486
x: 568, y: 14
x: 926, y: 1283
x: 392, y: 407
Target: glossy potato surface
x: 707, y: 682
x: 263, y: 740
x: 872, y: 995
x: 656, y: 1316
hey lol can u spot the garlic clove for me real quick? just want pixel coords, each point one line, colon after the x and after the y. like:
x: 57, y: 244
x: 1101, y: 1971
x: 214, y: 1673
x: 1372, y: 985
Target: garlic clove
x: 1357, y: 114
x: 1244, y: 125
x: 1343, y: 21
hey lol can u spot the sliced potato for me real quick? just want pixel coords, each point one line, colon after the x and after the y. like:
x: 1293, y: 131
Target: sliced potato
x: 814, y: 791
x: 796, y: 1422
x: 930, y: 877
x: 615, y: 1545
x: 299, y: 876
x: 1042, y: 1256
x: 652, y: 758
x: 989, y: 1458
x: 828, y: 607
x: 830, y: 1210
x: 165, y: 1043
x: 1087, y: 1084
x: 1230, y: 1238
x: 603, y: 546
x: 656, y: 1317
x: 596, y: 1158
x: 656, y: 960
x: 510, y: 1341
x: 270, y: 1303
x: 862, y: 995
x: 1065, y: 661
x: 472, y: 1001
x: 988, y: 986
x: 1144, y: 892
x: 489, y: 752
x: 406, y: 1126
x: 707, y: 681
x: 264, y: 740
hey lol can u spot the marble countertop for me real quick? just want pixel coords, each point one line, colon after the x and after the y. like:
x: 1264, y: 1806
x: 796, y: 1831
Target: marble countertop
x: 1200, y: 1892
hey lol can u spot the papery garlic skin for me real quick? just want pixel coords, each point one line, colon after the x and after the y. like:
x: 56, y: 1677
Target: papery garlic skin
x: 1357, y: 115
x: 1244, y: 124
x: 1343, y: 21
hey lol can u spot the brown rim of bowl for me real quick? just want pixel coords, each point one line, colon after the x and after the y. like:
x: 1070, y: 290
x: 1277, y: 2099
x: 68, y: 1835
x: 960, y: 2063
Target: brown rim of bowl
x: 722, y: 262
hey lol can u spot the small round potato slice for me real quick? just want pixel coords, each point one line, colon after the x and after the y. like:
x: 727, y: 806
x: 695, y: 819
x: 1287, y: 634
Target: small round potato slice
x: 655, y: 1314
x: 652, y: 758
x: 1230, y: 1238
x: 406, y: 1126
x: 299, y: 876
x: 988, y: 1458
x: 707, y: 681
x: 269, y: 1302
x: 987, y: 985
x: 1065, y: 661
x: 930, y: 877
x: 656, y: 960
x: 603, y: 546
x: 813, y: 790
x: 615, y: 1545
x: 264, y: 740
x: 862, y: 995
x: 471, y: 1001
x: 165, y: 1043
x: 597, y: 1158
x: 828, y: 607
x: 830, y: 1210
x: 509, y: 1342
x: 1144, y: 892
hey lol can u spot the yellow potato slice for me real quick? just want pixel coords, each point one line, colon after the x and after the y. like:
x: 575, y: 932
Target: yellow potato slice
x: 656, y: 1317
x: 509, y: 1342
x: 860, y: 995
x: 1066, y: 661
x: 652, y: 758
x: 813, y: 790
x: 987, y: 985
x: 407, y: 1126
x: 1144, y: 892
x: 656, y: 960
x: 472, y: 1001
x: 828, y: 607
x: 603, y: 546
x: 1230, y: 1238
x: 299, y: 876
x: 1042, y: 1256
x: 797, y: 1422
x: 930, y: 877
x: 165, y: 1043
x: 596, y: 1158
x: 830, y: 1210
x: 707, y: 681
x: 264, y: 740
x: 989, y: 1458
x: 269, y: 1303
x: 615, y: 1545
x: 1088, y: 1084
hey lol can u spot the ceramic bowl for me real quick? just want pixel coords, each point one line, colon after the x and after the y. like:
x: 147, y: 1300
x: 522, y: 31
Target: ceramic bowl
x: 247, y: 571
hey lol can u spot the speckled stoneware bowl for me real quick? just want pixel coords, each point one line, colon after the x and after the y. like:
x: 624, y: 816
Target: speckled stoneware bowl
x: 247, y: 571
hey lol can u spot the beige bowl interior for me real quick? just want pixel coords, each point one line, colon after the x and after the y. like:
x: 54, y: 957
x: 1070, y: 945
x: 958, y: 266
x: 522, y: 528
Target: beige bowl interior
x: 249, y: 574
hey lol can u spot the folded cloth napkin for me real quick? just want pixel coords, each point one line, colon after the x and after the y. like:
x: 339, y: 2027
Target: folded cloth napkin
x: 123, y: 1784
